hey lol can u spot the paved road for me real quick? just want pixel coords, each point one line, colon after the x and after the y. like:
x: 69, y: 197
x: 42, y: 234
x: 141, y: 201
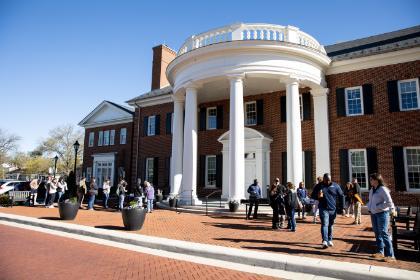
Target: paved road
x: 27, y: 254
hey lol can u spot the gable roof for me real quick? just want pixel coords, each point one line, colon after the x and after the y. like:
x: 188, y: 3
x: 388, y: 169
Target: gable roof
x: 107, y: 113
x: 386, y: 42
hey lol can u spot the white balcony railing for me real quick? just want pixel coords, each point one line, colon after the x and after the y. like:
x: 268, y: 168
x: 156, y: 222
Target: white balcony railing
x: 241, y: 32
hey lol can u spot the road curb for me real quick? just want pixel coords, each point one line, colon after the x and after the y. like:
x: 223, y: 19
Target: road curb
x: 318, y: 267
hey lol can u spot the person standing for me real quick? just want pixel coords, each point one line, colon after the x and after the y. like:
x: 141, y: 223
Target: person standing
x: 314, y: 197
x: 357, y: 203
x: 34, y: 191
x: 51, y: 193
x: 121, y: 189
x: 380, y: 205
x: 106, y: 187
x: 291, y: 201
x: 81, y: 191
x: 47, y: 185
x: 150, y: 195
x: 349, y: 200
x: 274, y: 195
x: 93, y: 191
x: 61, y: 188
x: 138, y: 193
x: 328, y: 192
x: 254, y: 191
x: 302, y: 195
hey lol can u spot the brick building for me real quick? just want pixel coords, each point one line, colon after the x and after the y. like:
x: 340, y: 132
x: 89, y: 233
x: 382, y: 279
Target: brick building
x: 263, y: 101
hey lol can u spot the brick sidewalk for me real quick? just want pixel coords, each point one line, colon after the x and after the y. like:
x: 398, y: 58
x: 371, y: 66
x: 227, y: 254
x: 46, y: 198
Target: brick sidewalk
x: 352, y: 243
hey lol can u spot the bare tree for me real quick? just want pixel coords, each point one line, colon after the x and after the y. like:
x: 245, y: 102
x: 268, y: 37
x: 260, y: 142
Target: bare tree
x: 60, y: 141
x: 8, y: 142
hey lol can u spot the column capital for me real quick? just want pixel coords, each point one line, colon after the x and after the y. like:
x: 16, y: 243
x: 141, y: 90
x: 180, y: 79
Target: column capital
x: 236, y: 77
x: 318, y: 92
x: 290, y: 80
x: 180, y: 98
x: 191, y: 85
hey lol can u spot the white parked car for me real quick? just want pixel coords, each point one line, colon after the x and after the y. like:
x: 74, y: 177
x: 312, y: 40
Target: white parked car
x: 7, y: 185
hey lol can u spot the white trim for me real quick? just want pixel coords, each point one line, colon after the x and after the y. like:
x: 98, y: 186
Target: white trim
x: 418, y: 93
x: 407, y: 185
x: 361, y: 99
x: 206, y: 172
x: 108, y: 123
x: 106, y: 137
x: 246, y: 113
x: 152, y: 101
x: 301, y: 107
x: 373, y: 61
x: 149, y: 119
x: 207, y: 118
x: 125, y: 136
x: 112, y: 137
x: 91, y: 140
x: 100, y: 138
x: 366, y: 167
x: 146, y: 177
x: 83, y: 123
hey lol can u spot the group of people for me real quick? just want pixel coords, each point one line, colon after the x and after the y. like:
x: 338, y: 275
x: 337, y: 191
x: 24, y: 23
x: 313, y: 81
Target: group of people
x: 54, y: 189
x: 145, y: 190
x: 285, y: 200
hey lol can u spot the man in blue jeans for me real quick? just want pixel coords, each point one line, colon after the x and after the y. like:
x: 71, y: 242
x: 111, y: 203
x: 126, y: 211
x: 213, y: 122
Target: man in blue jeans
x: 327, y: 193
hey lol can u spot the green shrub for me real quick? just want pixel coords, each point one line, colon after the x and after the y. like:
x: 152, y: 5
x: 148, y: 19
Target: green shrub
x: 4, y: 200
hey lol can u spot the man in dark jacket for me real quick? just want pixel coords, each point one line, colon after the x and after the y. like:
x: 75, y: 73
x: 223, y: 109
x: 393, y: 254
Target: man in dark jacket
x: 327, y: 193
x: 254, y: 191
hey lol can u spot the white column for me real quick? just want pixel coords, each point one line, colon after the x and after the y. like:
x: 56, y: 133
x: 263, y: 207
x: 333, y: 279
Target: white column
x: 177, y: 146
x: 322, y: 139
x: 188, y: 194
x: 236, y: 140
x: 260, y: 164
x: 267, y: 170
x: 225, y: 186
x: 294, y: 133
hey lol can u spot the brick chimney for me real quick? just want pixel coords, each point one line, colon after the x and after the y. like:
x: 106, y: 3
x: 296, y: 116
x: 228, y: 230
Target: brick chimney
x: 162, y: 56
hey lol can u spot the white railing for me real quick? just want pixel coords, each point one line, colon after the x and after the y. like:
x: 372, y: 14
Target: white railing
x: 240, y: 32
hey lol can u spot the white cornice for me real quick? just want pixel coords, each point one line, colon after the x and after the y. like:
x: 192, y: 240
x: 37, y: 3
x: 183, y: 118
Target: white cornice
x: 372, y: 61
x: 154, y: 101
x: 107, y: 123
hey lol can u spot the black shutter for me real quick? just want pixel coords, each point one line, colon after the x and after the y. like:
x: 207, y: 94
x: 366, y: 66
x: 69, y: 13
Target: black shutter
x: 157, y: 124
x: 168, y: 172
x: 372, y: 161
x: 145, y: 124
x: 203, y: 118
x: 219, y: 171
x: 344, y: 167
x: 306, y: 100
x: 155, y: 172
x: 309, y: 178
x: 341, y: 102
x: 394, y: 104
x: 260, y: 111
x: 144, y: 169
x: 284, y: 168
x: 367, y: 99
x: 399, y: 170
x: 202, y: 171
x: 283, y: 108
x: 219, y: 117
x: 168, y: 123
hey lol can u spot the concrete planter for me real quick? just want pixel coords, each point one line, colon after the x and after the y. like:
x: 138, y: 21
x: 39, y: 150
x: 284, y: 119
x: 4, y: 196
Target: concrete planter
x: 133, y: 218
x: 68, y: 210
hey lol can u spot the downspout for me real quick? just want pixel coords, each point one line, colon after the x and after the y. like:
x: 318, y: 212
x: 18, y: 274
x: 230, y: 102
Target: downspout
x: 137, y: 150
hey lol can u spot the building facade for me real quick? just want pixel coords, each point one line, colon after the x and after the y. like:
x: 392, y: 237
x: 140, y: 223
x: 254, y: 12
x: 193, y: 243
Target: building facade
x: 262, y: 101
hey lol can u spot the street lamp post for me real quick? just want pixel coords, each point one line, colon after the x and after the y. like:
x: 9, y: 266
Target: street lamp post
x: 55, y: 164
x: 76, y: 146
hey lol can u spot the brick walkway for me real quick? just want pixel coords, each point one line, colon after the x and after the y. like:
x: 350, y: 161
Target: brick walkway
x: 34, y: 255
x: 352, y: 243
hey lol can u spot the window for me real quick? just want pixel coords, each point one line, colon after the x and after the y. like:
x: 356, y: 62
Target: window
x: 123, y: 136
x: 358, y: 166
x: 211, y: 118
x: 408, y: 91
x: 210, y: 171
x: 301, y: 107
x: 88, y: 173
x: 412, y: 167
x: 112, y: 137
x: 149, y: 169
x: 91, y: 138
x: 354, y: 101
x: 106, y: 137
x: 251, y: 113
x: 100, y: 138
x: 151, y: 126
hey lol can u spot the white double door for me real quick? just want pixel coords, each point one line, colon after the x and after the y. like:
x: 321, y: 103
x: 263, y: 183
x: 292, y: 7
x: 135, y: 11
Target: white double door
x: 250, y: 171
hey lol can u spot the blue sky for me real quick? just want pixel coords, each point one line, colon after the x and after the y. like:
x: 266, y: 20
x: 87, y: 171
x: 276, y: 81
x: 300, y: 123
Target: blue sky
x: 59, y: 59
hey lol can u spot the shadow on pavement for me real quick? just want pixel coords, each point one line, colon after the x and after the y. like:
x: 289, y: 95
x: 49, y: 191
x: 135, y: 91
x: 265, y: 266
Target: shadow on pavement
x: 111, y: 227
x: 50, y: 218
x: 238, y: 226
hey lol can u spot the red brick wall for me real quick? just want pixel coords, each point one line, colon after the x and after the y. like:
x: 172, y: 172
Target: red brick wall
x: 123, y: 156
x: 162, y: 56
x: 382, y: 130
x: 152, y: 146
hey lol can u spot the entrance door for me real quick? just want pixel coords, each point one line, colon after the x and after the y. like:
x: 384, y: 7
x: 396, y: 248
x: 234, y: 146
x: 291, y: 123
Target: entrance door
x: 103, y: 171
x: 250, y: 171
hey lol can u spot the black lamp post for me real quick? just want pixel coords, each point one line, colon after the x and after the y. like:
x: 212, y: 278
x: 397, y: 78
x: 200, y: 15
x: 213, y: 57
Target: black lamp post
x: 76, y: 146
x: 55, y: 164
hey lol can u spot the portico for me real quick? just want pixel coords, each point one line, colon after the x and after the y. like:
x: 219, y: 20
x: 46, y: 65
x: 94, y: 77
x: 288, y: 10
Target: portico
x: 248, y: 59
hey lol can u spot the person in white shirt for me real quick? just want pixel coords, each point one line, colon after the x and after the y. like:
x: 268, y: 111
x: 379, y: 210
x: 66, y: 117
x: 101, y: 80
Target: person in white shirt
x: 51, y: 192
x: 106, y: 187
x: 61, y: 188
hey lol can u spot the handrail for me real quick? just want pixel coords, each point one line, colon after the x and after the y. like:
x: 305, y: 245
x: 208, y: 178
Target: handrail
x: 207, y: 199
x: 177, y: 195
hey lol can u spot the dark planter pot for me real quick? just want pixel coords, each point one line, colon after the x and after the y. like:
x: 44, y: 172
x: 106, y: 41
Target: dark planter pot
x: 68, y: 210
x: 159, y: 198
x: 133, y: 218
x: 233, y: 206
x: 172, y: 202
